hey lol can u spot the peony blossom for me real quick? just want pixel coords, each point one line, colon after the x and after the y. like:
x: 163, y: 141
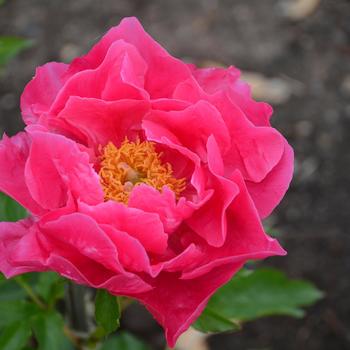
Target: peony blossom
x: 142, y: 175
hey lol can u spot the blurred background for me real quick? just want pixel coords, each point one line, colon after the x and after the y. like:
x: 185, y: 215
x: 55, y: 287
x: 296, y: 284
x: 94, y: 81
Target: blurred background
x: 296, y: 54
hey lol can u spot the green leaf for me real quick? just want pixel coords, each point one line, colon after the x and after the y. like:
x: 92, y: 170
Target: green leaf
x: 107, y: 311
x: 15, y: 336
x: 9, y: 290
x: 263, y: 292
x: 10, y: 46
x: 48, y: 331
x: 13, y: 311
x: 9, y: 209
x: 50, y: 287
x: 211, y: 321
x: 124, y: 341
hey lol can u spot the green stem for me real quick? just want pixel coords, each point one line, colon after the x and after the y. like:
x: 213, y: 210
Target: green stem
x: 28, y: 289
x: 32, y: 295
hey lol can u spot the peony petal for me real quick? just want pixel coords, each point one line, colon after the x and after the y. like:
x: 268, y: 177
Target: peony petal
x: 176, y: 308
x: 190, y: 91
x: 119, y: 76
x: 13, y: 157
x: 84, y: 252
x: 105, y: 121
x: 269, y: 192
x: 210, y: 220
x: 82, y: 234
x: 245, y: 239
x: 88, y: 274
x: 146, y: 227
x: 167, y: 104
x: 213, y: 80
x: 185, y: 163
x: 131, y: 252
x: 55, y: 166
x: 255, y: 151
x: 260, y: 149
x: 189, y: 259
x: 178, y: 127
x: 20, y: 251
x: 171, y: 212
x: 164, y: 72
x: 42, y: 90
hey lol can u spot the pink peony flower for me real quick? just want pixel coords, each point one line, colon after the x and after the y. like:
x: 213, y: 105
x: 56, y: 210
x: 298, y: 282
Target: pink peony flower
x: 143, y: 175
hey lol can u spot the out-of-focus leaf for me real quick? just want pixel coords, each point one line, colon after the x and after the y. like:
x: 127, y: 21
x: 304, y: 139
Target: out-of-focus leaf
x: 10, y: 46
x: 15, y: 336
x: 50, y: 287
x: 9, y: 290
x: 9, y: 209
x: 48, y: 331
x: 14, y: 311
x: 263, y: 292
x: 107, y: 311
x: 210, y: 322
x: 124, y: 341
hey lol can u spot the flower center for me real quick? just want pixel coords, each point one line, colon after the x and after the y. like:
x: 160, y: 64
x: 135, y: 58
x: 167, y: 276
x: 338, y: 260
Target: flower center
x: 132, y: 164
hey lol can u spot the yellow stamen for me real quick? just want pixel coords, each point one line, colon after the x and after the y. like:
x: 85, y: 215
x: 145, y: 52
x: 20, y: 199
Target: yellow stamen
x: 132, y: 164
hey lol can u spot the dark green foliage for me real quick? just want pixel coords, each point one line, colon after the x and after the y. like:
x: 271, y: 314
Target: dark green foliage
x: 253, y: 294
x: 107, y: 311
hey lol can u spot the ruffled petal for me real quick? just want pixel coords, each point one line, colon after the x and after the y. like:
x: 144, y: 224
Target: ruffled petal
x: 185, y: 261
x: 177, y: 307
x: 81, y: 249
x: 245, y: 239
x: 269, y: 192
x: 56, y: 166
x: 105, y: 121
x: 42, y: 90
x: 185, y: 164
x: 20, y: 251
x: 255, y: 151
x: 210, y: 221
x: 80, y: 233
x: 86, y: 253
x: 171, y: 212
x: 260, y: 149
x: 23, y: 248
x: 131, y: 253
x: 179, y: 127
x: 214, y: 80
x: 145, y: 227
x: 119, y: 76
x: 127, y: 284
x: 164, y: 72
x: 14, y: 152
